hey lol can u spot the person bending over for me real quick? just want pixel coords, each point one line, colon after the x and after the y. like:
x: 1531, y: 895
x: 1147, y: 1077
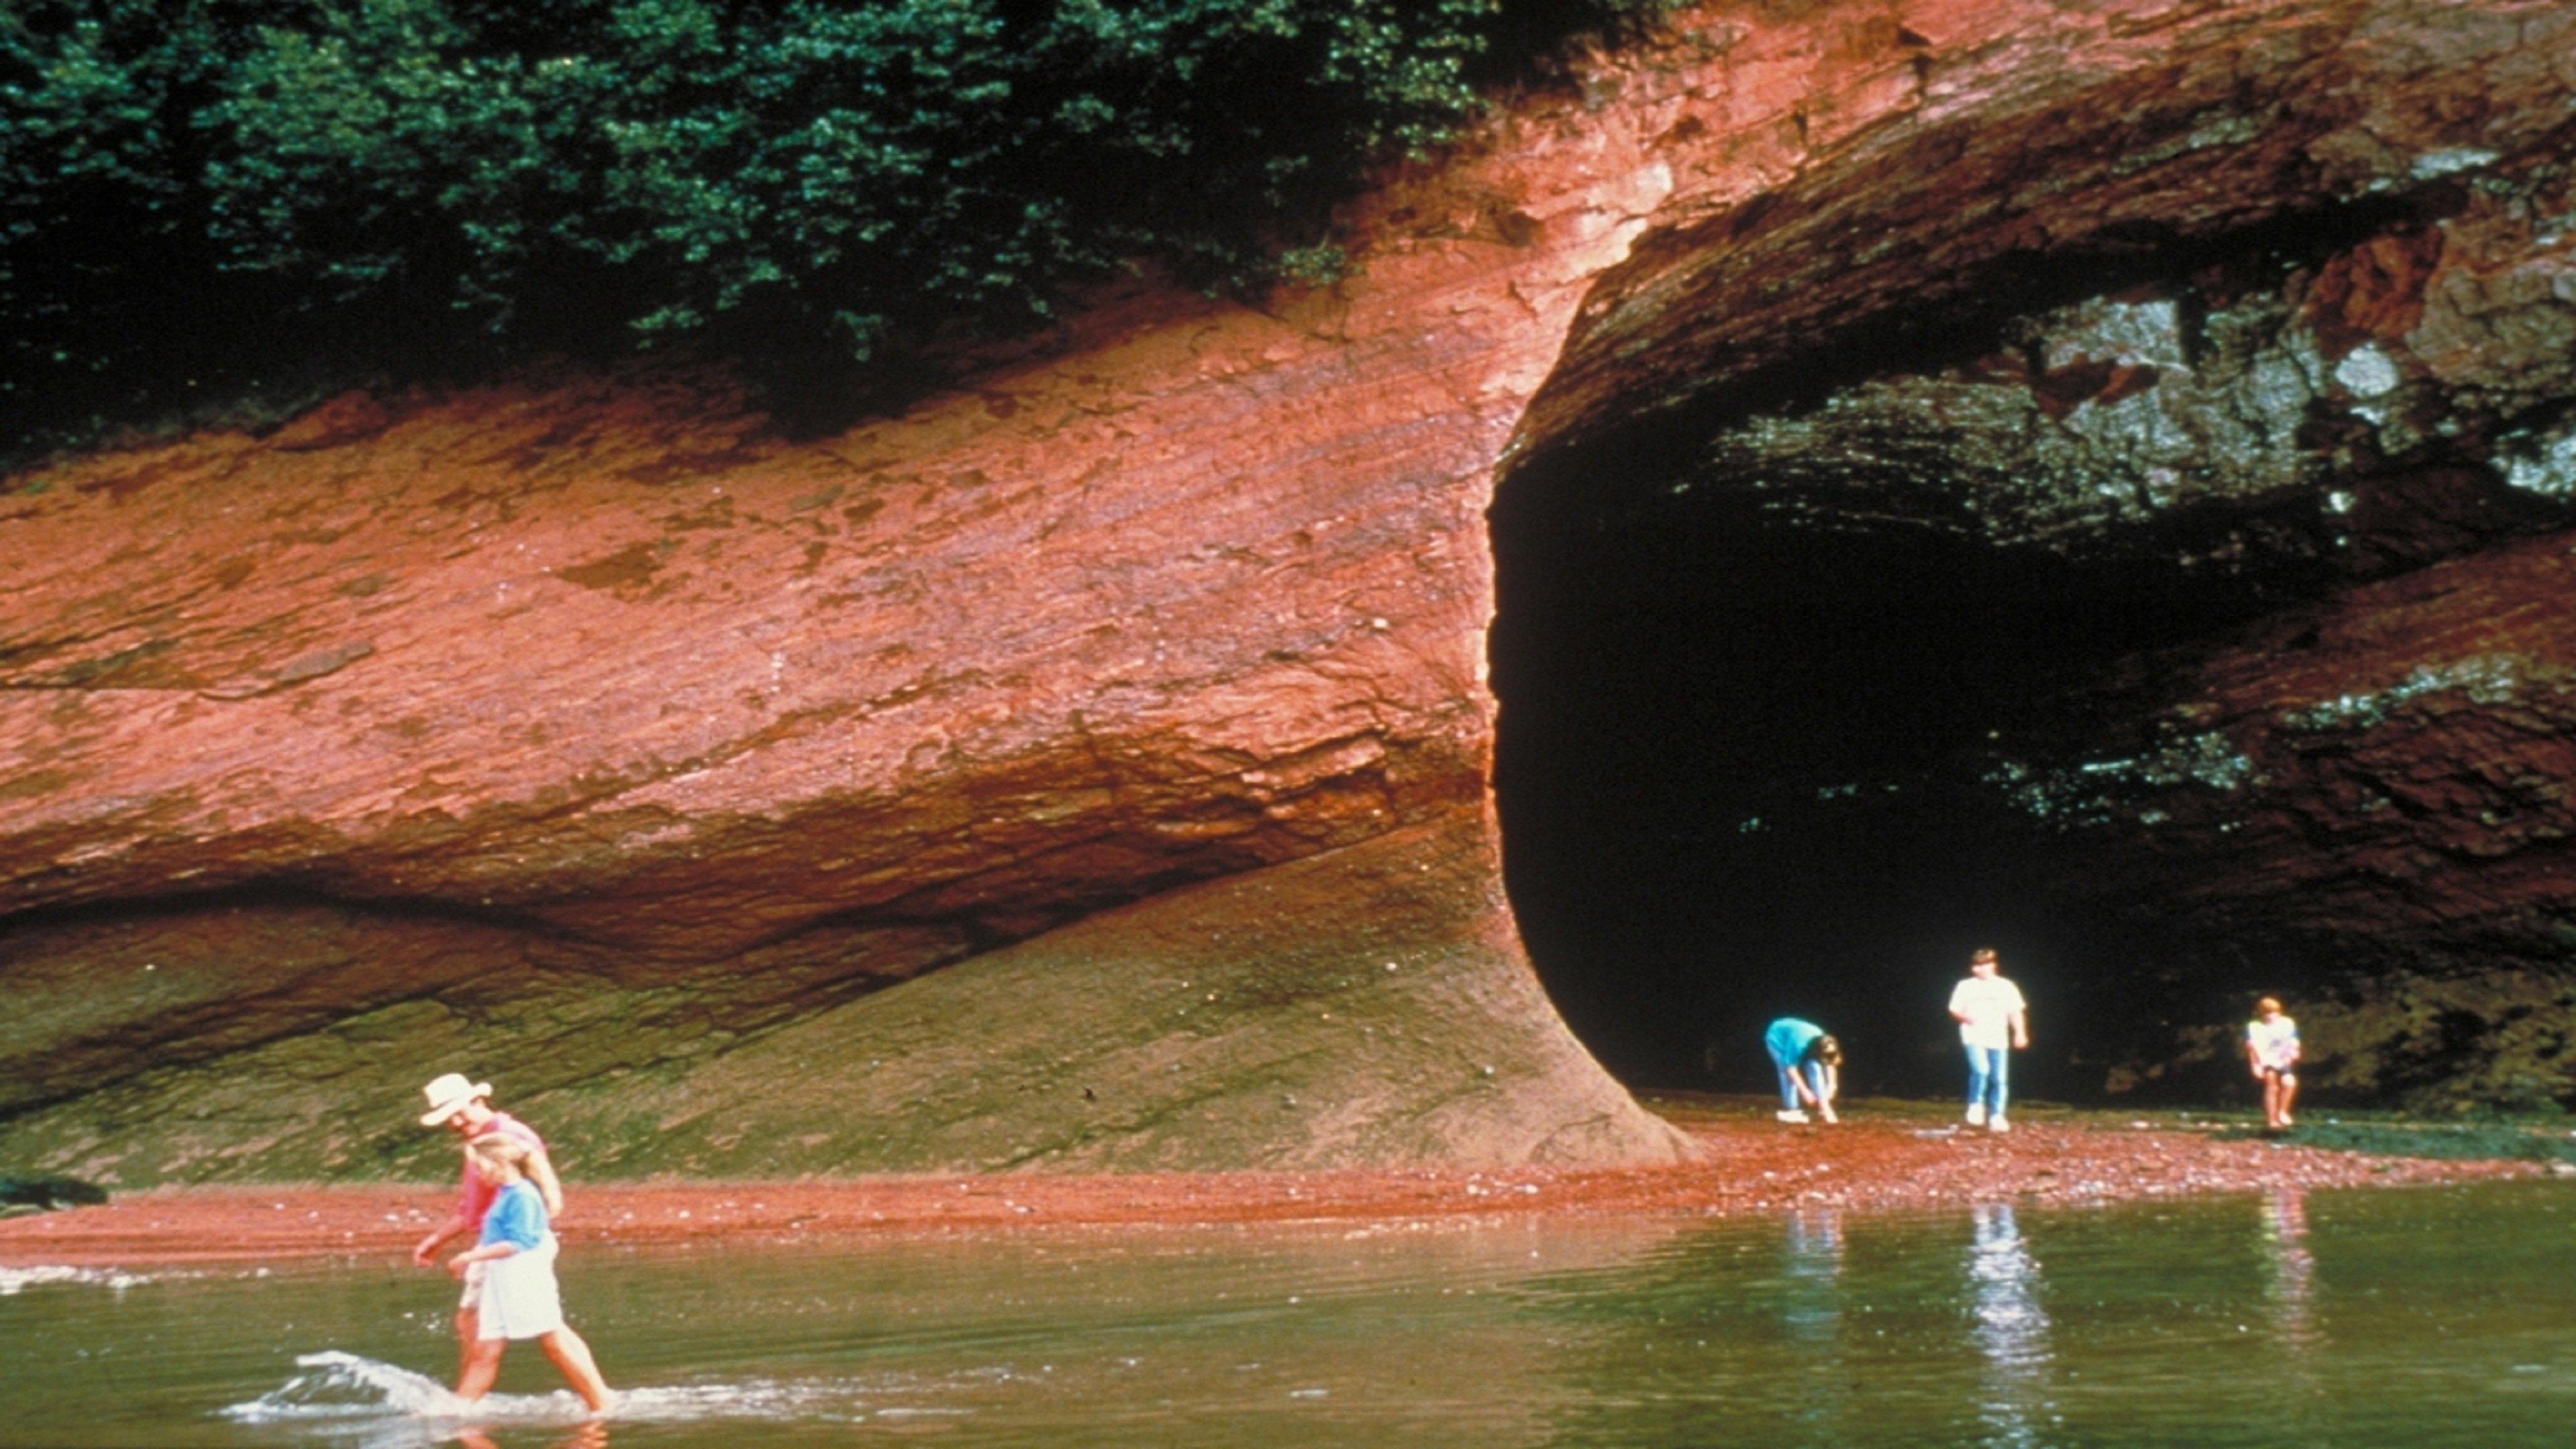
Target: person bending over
x: 1810, y: 1066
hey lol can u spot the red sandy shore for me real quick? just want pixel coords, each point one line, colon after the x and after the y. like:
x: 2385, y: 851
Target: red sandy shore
x: 1752, y: 1165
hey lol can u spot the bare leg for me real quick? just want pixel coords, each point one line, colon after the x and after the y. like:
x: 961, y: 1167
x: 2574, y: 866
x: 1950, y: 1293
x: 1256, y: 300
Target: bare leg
x: 2289, y: 1093
x: 482, y: 1365
x: 469, y: 1325
x: 572, y: 1359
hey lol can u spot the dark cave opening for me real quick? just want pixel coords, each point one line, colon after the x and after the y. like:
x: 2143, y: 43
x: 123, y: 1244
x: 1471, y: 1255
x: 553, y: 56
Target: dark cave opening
x: 1737, y: 772
x: 2156, y: 612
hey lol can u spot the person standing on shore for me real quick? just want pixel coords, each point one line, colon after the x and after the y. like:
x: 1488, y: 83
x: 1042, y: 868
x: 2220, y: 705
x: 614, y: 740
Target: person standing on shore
x: 463, y: 1106
x: 2272, y: 1049
x: 1809, y: 1063
x: 1994, y: 1022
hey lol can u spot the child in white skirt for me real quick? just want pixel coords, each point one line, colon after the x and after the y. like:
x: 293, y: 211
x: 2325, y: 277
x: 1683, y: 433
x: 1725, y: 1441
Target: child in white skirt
x: 520, y: 1299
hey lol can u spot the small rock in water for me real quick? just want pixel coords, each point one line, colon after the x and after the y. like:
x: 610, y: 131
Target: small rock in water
x: 48, y: 1193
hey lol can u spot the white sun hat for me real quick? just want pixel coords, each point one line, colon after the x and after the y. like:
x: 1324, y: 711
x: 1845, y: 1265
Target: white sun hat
x: 449, y: 1093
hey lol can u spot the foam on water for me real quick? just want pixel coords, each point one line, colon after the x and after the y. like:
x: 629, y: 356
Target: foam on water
x: 340, y: 1385
x: 346, y: 1391
x: 14, y: 1280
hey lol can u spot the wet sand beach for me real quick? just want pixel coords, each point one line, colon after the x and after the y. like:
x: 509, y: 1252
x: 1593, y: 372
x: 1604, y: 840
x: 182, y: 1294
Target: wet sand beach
x: 1908, y: 1156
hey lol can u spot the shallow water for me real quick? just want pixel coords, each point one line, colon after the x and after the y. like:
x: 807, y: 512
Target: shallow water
x: 2417, y: 1318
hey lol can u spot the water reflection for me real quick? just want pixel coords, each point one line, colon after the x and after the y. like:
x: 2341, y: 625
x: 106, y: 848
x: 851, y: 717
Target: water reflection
x: 2294, y: 1271
x: 1812, y: 1310
x: 1811, y: 1317
x: 2011, y: 1332
x: 2419, y: 1318
x: 592, y: 1434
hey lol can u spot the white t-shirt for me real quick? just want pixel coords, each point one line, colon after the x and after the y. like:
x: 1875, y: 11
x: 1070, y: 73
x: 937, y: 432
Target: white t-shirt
x: 2275, y: 1042
x: 1988, y: 1003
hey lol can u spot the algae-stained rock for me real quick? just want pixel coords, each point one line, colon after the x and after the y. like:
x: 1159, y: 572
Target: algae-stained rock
x: 2308, y: 390
x: 1341, y: 1008
x: 586, y: 731
x: 2366, y: 799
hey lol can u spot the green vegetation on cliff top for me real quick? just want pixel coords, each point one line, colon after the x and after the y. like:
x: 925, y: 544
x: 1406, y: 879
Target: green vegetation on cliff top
x: 219, y: 198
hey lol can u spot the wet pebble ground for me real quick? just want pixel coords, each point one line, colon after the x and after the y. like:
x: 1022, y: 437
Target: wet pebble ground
x: 1906, y: 1156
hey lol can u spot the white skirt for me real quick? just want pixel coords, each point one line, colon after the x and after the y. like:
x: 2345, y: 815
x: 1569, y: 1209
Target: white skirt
x: 520, y: 1299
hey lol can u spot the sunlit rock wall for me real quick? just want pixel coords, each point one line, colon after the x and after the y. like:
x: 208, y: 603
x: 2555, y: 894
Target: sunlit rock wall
x: 1090, y: 765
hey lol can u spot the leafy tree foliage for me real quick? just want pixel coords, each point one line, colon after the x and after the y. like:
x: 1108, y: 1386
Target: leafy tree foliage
x: 202, y: 195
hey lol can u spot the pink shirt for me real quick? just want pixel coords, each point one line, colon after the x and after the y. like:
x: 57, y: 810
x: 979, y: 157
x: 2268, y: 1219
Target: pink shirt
x: 475, y: 1198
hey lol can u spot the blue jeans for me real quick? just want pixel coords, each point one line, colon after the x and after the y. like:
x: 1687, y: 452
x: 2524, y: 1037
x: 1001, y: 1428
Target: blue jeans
x: 1988, y: 1067
x: 1815, y: 1072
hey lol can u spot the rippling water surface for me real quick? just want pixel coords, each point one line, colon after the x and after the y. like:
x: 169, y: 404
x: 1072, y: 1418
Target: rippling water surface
x: 2417, y: 1318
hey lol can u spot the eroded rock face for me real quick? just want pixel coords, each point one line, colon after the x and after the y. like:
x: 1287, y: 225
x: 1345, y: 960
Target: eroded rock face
x: 586, y: 724
x: 2366, y: 799
x: 1342, y: 1008
x: 2367, y: 788
x: 438, y: 747
x: 1975, y: 151
x: 2371, y: 406
x: 1090, y: 766
x: 2180, y: 585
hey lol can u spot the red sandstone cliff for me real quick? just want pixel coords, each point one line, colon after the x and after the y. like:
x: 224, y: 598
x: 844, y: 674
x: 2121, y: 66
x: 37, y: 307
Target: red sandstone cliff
x: 1086, y: 767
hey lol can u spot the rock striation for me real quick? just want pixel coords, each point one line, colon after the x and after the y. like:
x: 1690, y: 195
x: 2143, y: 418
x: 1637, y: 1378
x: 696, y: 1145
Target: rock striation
x: 1090, y: 766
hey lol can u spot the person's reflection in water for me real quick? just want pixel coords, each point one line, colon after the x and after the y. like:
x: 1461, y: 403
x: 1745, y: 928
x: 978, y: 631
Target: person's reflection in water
x: 2011, y: 1330
x: 2285, y: 1242
x: 588, y: 1434
x: 1811, y: 1312
x: 1813, y: 1307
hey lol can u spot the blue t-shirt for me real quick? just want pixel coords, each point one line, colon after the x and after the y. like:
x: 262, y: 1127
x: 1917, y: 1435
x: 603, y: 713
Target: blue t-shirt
x: 1789, y: 1038
x: 518, y: 1217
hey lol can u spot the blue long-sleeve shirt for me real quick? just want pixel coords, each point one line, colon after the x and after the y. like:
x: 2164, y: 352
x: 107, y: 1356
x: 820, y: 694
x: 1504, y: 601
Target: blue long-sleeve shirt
x: 1789, y: 1038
